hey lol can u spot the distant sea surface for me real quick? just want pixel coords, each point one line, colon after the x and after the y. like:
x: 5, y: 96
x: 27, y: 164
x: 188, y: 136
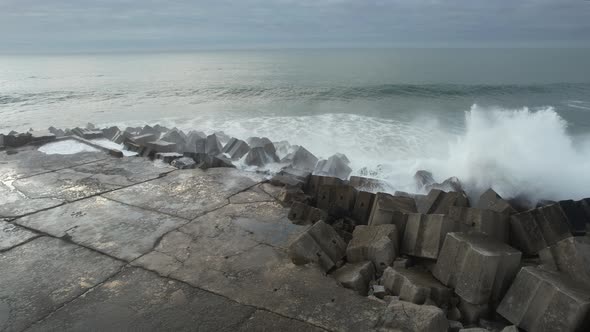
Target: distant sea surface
x: 515, y: 119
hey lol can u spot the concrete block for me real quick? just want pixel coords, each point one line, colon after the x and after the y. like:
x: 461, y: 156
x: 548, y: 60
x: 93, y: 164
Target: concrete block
x: 315, y: 181
x: 42, y: 136
x: 388, y: 209
x: 168, y: 157
x: 318, y: 244
x: 378, y: 290
x: 576, y: 216
x: 304, y: 160
x: 108, y: 133
x: 368, y: 184
x: 472, y: 313
x: 162, y: 146
x: 184, y: 163
x: 266, y: 144
x: 213, y: 146
x: 335, y: 166
x: 478, y: 267
x: 377, y: 244
x: 424, y: 234
x: 285, y: 180
x: 147, y: 129
x: 406, y: 316
x: 15, y: 140
x: 60, y: 133
x: 423, y: 179
x: 490, y: 200
x: 539, y: 228
x: 236, y: 148
x: 416, y: 286
x: 570, y: 256
x: 175, y: 136
x: 298, y: 174
x: 362, y: 207
x: 257, y: 156
x: 494, y: 224
x: 301, y: 214
x: 144, y: 139
x: 448, y: 185
x: 540, y: 300
x: 438, y: 201
x: 87, y: 133
x: 337, y: 199
x: 356, y: 276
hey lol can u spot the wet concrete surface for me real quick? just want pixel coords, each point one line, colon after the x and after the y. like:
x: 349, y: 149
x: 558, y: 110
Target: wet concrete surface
x: 99, y: 243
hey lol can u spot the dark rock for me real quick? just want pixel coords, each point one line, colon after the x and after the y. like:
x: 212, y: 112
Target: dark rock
x: 236, y: 148
x: 378, y: 291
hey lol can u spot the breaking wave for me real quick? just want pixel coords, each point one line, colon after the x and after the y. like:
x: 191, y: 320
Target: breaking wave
x: 518, y: 152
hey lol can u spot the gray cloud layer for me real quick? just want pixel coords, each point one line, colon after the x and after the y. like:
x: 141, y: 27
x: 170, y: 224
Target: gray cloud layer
x: 78, y: 25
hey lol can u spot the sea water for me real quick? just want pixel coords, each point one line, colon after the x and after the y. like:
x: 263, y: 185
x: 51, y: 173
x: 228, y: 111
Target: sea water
x: 517, y: 120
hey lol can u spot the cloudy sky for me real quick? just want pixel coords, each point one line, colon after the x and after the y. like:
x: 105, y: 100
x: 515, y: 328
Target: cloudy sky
x: 110, y: 25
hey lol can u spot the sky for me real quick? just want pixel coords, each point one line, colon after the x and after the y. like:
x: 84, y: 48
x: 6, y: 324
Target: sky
x: 111, y: 25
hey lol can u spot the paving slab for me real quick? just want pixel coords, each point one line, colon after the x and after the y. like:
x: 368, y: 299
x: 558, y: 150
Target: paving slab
x: 14, y: 203
x: 252, y: 195
x: 40, y: 276
x: 138, y: 300
x: 28, y: 161
x: 239, y: 251
x: 268, y: 322
x: 90, y: 179
x: 188, y: 193
x: 12, y: 235
x: 120, y: 230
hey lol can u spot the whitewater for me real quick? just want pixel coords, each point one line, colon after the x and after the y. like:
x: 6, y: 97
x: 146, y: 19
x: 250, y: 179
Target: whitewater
x: 491, y: 117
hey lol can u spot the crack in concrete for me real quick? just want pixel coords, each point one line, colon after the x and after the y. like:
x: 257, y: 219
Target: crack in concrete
x: 22, y: 243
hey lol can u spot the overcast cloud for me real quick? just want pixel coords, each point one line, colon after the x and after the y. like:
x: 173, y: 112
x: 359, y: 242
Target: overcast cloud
x: 85, y: 25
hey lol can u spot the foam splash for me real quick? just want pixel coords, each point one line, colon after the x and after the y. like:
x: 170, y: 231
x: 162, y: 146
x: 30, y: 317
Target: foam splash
x: 518, y: 152
x: 66, y: 147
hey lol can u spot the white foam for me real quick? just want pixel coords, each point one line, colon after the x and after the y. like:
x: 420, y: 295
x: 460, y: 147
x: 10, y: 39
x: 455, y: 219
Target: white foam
x: 518, y: 152
x: 66, y: 147
x: 112, y: 145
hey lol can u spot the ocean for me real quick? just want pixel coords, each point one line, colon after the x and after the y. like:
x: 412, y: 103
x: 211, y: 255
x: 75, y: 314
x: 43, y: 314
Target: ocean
x: 517, y: 120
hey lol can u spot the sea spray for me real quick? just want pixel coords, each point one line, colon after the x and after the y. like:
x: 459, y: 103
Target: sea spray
x: 519, y: 152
